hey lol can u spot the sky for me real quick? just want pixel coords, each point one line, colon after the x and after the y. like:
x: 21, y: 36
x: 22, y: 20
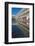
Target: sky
x: 15, y: 11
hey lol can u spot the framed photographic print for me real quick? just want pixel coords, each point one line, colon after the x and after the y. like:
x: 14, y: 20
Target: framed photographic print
x: 19, y: 22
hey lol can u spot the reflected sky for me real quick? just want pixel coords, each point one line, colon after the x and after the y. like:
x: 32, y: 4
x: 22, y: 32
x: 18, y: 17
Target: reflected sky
x: 15, y: 11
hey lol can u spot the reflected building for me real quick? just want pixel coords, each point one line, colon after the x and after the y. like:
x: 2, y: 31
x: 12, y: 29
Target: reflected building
x: 23, y: 18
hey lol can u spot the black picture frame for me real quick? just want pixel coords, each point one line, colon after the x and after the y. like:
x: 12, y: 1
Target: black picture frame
x: 6, y: 22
